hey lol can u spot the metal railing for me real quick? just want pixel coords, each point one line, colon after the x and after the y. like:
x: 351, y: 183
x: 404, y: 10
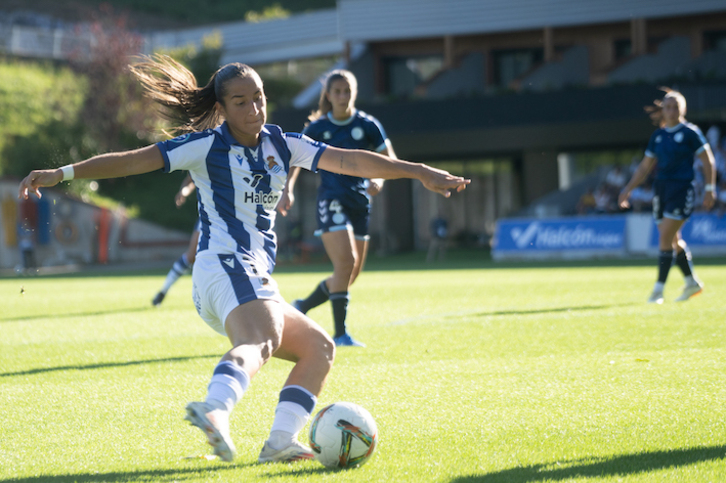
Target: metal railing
x: 45, y: 43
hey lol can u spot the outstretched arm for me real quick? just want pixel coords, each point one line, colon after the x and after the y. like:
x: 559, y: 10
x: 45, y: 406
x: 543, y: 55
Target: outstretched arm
x: 376, y: 184
x: 641, y: 173
x: 366, y: 164
x: 104, y: 166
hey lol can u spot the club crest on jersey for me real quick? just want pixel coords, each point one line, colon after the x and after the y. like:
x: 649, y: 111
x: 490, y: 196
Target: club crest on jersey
x: 357, y: 133
x: 272, y: 165
x: 327, y: 135
x: 658, y: 138
x: 678, y: 137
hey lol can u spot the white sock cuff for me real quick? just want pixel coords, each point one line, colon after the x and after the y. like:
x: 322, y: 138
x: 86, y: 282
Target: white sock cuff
x: 229, y: 382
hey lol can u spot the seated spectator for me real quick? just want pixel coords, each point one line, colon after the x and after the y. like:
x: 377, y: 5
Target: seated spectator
x: 721, y: 198
x: 615, y: 180
x: 586, y: 204
x: 604, y: 200
x: 634, y: 163
x: 439, y: 234
x: 718, y: 146
x: 641, y: 198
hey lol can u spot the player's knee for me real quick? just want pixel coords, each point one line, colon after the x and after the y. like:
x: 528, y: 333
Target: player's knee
x: 346, y: 264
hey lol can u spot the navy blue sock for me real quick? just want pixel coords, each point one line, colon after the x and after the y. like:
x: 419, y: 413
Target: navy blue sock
x: 685, y: 262
x: 339, y: 301
x: 319, y: 296
x: 665, y: 259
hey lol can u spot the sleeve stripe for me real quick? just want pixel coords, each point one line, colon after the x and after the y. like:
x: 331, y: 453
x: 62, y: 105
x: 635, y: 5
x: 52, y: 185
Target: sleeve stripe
x: 314, y: 165
x: 165, y: 155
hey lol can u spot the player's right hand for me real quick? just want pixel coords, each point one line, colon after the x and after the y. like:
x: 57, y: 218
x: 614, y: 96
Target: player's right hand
x: 39, y: 179
x: 442, y: 182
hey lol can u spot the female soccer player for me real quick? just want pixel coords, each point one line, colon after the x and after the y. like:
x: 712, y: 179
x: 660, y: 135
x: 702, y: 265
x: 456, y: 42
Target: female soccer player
x: 343, y: 201
x: 672, y: 149
x: 239, y: 166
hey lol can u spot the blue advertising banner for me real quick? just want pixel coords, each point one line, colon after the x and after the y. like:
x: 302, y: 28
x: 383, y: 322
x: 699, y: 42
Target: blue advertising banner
x: 568, y: 237
x: 701, y: 230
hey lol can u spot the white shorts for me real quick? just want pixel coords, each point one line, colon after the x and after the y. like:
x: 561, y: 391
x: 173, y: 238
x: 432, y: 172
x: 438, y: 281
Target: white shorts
x: 223, y: 282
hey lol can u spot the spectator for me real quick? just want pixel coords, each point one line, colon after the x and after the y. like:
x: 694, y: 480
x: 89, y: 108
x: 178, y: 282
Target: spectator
x: 721, y: 200
x: 586, y: 205
x: 604, y: 201
x: 439, y: 233
x: 615, y: 180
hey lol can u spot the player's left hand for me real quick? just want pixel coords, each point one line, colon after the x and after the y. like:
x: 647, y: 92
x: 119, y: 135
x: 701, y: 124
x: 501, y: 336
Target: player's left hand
x: 443, y: 182
x: 38, y: 179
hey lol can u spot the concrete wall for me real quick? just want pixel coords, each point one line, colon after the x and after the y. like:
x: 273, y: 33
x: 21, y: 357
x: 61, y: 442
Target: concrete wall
x: 66, y: 231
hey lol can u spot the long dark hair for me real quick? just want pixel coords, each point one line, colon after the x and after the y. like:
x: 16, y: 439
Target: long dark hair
x: 324, y: 105
x: 655, y: 110
x: 189, y: 107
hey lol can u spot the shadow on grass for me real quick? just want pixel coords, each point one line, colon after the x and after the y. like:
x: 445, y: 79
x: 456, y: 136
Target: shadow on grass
x: 551, y: 310
x: 78, y: 314
x: 622, y: 465
x: 128, y: 476
x: 103, y: 365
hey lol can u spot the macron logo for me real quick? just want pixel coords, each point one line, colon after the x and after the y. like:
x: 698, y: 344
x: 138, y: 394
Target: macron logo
x: 229, y: 262
x: 523, y: 238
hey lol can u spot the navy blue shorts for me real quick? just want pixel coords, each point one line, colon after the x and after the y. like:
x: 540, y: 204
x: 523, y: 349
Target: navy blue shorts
x: 673, y: 199
x: 333, y: 216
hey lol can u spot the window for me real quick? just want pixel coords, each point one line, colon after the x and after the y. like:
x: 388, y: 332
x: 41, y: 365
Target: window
x: 510, y: 65
x: 404, y: 74
x: 715, y: 40
x: 623, y: 49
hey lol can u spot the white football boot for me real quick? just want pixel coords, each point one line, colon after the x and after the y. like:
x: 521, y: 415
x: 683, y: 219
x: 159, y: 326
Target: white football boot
x: 215, y: 424
x: 296, y: 451
x: 690, y: 290
x: 656, y: 297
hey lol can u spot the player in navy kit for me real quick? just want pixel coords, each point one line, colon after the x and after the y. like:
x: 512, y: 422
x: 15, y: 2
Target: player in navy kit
x: 672, y: 149
x: 344, y: 206
x: 239, y: 165
x: 185, y: 262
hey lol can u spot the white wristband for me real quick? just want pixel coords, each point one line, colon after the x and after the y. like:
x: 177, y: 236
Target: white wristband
x: 709, y: 187
x: 68, y: 172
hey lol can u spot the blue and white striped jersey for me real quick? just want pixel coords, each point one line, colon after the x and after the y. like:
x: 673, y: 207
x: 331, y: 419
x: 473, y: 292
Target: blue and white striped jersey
x: 239, y: 187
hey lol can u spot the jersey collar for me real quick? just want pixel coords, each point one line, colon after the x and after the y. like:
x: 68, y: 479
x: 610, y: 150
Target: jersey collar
x: 674, y: 128
x: 344, y: 122
x: 227, y: 136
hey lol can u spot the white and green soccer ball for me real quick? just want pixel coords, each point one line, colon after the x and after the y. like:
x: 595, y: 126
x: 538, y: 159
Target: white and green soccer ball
x: 343, y: 435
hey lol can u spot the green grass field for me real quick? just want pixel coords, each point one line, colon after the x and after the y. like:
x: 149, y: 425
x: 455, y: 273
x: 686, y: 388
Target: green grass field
x: 482, y: 374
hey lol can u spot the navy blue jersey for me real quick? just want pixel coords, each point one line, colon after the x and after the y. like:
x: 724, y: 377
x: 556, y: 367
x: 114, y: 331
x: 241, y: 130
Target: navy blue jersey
x: 360, y: 131
x: 674, y: 150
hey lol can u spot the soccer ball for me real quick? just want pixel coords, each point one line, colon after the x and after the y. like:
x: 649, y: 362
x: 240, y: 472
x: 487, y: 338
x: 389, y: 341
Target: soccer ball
x: 343, y: 435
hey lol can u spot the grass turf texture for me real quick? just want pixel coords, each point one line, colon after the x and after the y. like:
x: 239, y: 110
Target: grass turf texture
x: 489, y: 373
